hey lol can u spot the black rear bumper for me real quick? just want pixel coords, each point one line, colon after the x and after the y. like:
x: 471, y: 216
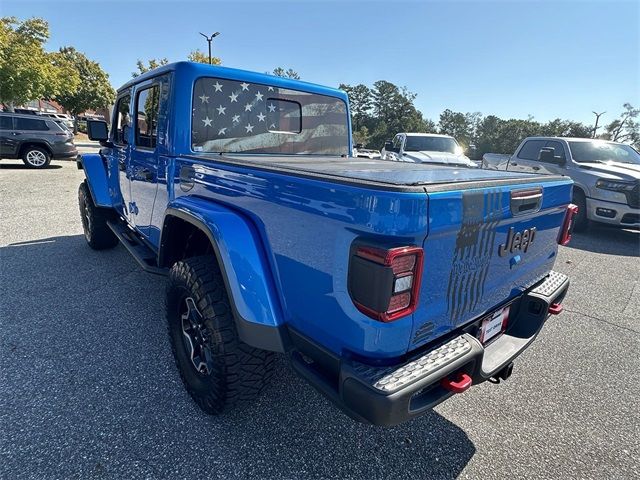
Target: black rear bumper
x: 388, y: 395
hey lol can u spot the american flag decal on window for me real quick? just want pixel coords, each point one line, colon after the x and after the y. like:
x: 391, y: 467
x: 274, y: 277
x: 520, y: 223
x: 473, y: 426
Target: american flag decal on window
x: 233, y: 117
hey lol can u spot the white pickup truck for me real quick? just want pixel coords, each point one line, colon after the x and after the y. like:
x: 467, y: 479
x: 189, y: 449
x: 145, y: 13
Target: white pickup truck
x: 606, y: 175
x: 426, y: 148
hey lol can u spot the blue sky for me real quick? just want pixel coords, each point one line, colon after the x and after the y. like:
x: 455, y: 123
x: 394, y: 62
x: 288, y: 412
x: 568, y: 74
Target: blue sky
x: 509, y: 58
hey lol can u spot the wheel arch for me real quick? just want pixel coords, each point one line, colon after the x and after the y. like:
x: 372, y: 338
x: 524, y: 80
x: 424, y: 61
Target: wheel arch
x: 96, y: 174
x: 34, y: 143
x: 245, y: 271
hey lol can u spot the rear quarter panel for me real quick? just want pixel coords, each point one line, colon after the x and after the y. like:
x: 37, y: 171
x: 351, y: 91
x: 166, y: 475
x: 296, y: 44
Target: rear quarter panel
x: 307, y: 227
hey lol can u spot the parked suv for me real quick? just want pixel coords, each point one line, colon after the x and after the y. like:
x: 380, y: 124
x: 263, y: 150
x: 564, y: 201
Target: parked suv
x: 63, y: 118
x: 606, y: 175
x: 34, y: 139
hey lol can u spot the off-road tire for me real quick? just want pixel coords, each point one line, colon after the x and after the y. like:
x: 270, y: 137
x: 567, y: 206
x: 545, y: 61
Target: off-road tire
x: 580, y: 221
x: 36, y: 157
x: 239, y: 372
x: 94, y: 221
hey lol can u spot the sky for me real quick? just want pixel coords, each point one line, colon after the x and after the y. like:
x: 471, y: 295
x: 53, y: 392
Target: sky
x: 514, y: 59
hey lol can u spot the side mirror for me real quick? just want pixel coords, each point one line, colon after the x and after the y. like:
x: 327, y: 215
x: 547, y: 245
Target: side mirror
x: 97, y: 130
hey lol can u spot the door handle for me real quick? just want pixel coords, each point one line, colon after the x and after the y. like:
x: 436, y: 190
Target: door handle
x: 535, y: 168
x: 15, y: 133
x: 514, y: 164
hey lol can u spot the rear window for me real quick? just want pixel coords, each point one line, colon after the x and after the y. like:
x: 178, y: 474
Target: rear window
x: 30, y: 124
x: 230, y: 116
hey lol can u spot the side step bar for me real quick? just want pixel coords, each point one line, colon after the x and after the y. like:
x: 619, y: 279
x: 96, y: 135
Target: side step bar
x: 136, y: 247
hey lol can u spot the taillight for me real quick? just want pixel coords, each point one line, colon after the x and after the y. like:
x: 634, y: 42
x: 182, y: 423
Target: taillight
x: 384, y: 284
x: 567, y: 225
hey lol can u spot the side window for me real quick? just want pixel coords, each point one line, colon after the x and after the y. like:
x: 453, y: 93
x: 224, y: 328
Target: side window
x: 30, y: 124
x: 557, y: 146
x: 121, y: 120
x: 397, y: 143
x: 531, y: 149
x: 147, y: 103
x: 6, y: 123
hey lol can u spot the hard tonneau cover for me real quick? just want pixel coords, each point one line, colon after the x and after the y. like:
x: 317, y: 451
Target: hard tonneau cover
x: 374, y: 172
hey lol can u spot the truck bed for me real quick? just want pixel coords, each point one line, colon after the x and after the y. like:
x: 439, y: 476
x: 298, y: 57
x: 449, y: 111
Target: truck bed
x: 381, y: 173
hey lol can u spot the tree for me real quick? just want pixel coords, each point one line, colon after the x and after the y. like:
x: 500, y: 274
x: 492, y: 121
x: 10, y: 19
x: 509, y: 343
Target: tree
x: 361, y: 136
x: 360, y: 103
x: 625, y: 128
x: 456, y: 124
x: 288, y: 73
x: 565, y: 128
x: 199, y: 56
x: 150, y: 65
x: 27, y: 72
x: 393, y: 108
x: 94, y: 91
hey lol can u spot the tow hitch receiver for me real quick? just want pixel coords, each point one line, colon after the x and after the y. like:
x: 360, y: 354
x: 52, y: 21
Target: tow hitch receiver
x: 461, y: 384
x: 555, y: 308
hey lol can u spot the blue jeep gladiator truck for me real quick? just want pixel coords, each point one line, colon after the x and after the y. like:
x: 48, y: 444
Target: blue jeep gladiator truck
x: 390, y: 287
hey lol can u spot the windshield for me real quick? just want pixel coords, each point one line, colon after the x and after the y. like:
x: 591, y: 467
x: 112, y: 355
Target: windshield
x: 600, y: 151
x: 431, y: 144
x: 230, y: 116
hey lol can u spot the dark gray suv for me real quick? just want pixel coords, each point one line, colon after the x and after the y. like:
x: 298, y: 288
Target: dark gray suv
x: 34, y: 139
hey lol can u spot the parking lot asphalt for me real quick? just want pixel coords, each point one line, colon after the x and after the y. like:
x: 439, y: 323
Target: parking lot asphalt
x: 89, y: 388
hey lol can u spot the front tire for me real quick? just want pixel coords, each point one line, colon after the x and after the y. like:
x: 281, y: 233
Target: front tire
x: 94, y: 221
x: 36, y: 157
x: 218, y: 370
x: 580, y: 221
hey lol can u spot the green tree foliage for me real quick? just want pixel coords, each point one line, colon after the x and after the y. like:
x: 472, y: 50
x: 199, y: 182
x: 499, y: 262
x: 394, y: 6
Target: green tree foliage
x: 288, y: 73
x: 378, y: 113
x: 394, y: 107
x: 27, y: 71
x: 94, y: 90
x: 199, y: 56
x: 360, y: 103
x: 150, y: 65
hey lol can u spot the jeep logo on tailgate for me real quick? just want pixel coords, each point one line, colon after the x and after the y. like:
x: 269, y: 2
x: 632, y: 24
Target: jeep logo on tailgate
x: 517, y: 241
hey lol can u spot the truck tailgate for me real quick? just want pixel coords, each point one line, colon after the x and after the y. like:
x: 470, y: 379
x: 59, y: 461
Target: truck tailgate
x: 485, y: 246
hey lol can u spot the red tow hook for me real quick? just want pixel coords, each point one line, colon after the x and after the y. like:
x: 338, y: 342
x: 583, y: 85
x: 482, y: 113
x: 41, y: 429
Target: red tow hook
x: 555, y: 308
x: 457, y: 386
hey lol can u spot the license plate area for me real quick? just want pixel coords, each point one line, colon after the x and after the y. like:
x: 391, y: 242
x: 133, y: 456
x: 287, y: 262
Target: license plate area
x: 494, y: 324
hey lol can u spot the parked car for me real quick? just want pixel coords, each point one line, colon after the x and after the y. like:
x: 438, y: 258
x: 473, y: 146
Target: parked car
x: 34, y: 139
x: 62, y: 118
x: 360, y: 151
x: 425, y: 148
x: 390, y: 287
x: 606, y: 175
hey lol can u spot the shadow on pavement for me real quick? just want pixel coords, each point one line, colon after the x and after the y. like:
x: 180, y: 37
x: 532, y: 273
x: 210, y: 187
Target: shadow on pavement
x: 608, y: 240
x: 102, y: 396
x: 22, y: 166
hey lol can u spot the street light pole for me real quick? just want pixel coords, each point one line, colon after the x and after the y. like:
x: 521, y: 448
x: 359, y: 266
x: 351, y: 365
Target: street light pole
x: 209, y: 40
